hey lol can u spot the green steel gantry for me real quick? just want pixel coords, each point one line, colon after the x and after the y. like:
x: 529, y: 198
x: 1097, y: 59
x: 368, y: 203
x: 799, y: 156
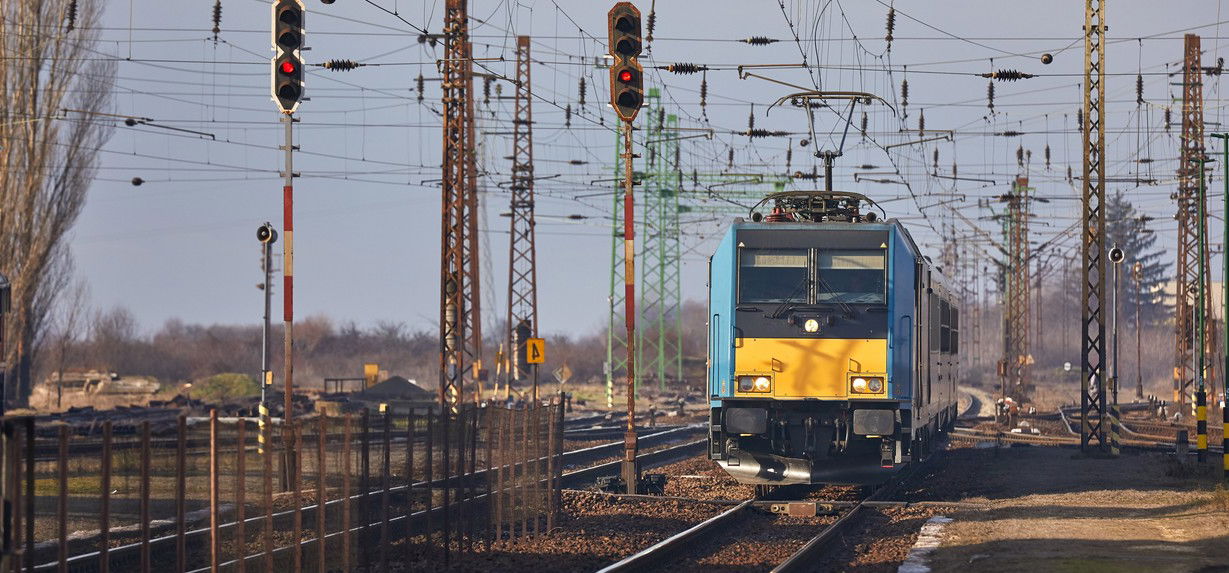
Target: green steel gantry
x: 663, y: 199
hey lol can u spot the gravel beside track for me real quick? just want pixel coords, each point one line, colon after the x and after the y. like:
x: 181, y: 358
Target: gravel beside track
x: 758, y: 542
x: 592, y: 531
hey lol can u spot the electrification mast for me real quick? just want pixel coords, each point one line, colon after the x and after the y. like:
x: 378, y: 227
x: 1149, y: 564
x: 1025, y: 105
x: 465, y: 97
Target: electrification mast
x: 660, y: 290
x: 1093, y: 426
x: 522, y: 264
x: 1016, y: 356
x: 1189, y: 281
x: 460, y: 335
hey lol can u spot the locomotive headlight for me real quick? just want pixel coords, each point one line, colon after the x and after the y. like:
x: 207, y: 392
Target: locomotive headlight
x: 754, y: 383
x: 866, y: 385
x: 811, y: 325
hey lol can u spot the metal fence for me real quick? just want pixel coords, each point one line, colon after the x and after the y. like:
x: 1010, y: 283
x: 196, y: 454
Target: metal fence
x: 328, y: 492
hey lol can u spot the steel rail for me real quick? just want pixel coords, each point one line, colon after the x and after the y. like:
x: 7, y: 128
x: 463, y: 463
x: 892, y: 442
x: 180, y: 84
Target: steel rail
x: 670, y: 548
x: 420, y: 518
x: 805, y: 558
x: 86, y: 561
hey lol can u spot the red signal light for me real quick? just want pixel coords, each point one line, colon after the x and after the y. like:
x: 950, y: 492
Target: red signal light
x: 625, y: 76
x: 287, y: 67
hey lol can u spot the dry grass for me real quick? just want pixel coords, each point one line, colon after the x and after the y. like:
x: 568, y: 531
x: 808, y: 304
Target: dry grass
x: 1219, y: 499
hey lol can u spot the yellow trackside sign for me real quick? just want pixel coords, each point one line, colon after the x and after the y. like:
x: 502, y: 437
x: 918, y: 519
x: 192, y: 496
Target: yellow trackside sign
x: 535, y: 350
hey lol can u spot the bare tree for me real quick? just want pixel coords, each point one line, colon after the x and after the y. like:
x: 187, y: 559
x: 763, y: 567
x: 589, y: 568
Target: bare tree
x: 70, y: 324
x: 53, y: 85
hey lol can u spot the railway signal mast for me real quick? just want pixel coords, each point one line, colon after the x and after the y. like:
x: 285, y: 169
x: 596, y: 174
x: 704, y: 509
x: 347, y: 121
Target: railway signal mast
x: 626, y: 96
x: 287, y: 91
x: 267, y: 235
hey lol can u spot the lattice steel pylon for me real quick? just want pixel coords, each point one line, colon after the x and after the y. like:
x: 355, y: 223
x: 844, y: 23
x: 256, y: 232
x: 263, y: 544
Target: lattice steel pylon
x: 460, y: 324
x: 1016, y: 355
x: 1189, y: 282
x: 1093, y: 420
x: 522, y: 264
x: 616, y: 338
x: 660, y: 342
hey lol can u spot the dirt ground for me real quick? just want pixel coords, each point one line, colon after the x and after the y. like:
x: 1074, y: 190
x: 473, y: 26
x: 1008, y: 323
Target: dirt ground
x: 1050, y: 509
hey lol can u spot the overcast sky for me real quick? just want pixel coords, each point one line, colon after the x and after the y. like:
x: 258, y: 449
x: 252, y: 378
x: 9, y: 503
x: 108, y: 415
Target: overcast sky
x: 367, y: 206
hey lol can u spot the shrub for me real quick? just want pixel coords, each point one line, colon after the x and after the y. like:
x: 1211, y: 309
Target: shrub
x: 225, y: 386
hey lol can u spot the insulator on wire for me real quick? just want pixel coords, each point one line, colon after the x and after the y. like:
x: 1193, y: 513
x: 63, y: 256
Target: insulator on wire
x: 759, y: 40
x: 581, y: 103
x: 217, y: 18
x: 731, y: 158
x: 1070, y: 179
x: 341, y: 65
x: 1139, y: 89
x: 1047, y: 153
x: 567, y: 116
x: 1008, y: 133
x: 1079, y: 119
x: 1020, y: 155
x: 921, y: 123
x: 990, y: 96
x: 486, y: 90
x: 758, y: 133
x: 751, y: 119
x: 684, y: 68
x: 1028, y: 156
x: 695, y: 178
x: 704, y: 96
x: 70, y: 18
x: 891, y: 26
x: 954, y: 169
x: 1168, y: 119
x: 904, y: 92
x: 789, y: 155
x: 864, y: 125
x: 421, y: 83
x: 661, y: 119
x: 1008, y: 75
x: 936, y: 159
x: 648, y: 39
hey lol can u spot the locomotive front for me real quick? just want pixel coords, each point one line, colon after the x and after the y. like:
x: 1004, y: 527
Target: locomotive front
x: 811, y: 329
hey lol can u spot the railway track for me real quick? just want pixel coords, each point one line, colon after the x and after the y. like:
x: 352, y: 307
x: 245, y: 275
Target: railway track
x: 688, y: 549
x: 418, y: 521
x: 1151, y: 443
x: 125, y: 556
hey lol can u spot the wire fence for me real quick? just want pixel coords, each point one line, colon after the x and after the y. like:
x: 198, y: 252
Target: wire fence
x: 366, y: 489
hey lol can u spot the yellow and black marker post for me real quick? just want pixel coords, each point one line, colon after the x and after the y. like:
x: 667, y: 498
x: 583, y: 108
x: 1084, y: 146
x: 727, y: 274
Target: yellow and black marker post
x: 264, y: 424
x: 1224, y: 436
x: 1201, y: 424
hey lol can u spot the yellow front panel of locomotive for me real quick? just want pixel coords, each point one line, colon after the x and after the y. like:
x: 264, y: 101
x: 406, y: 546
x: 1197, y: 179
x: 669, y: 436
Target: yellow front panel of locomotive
x: 809, y: 367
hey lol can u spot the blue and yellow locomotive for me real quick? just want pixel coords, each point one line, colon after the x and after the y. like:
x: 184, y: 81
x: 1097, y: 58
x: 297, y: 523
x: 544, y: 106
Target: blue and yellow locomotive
x: 832, y: 344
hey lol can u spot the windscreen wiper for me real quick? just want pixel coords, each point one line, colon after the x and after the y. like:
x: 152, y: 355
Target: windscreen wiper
x: 789, y: 299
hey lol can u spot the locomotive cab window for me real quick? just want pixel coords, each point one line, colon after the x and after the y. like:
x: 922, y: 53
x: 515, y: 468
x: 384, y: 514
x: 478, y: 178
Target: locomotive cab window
x: 851, y: 277
x: 773, y: 275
